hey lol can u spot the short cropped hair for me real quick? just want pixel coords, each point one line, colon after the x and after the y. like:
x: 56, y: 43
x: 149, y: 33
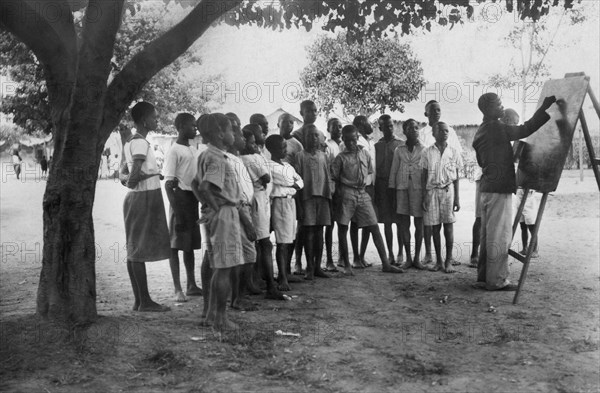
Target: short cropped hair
x: 233, y: 116
x: 141, y: 110
x: 330, y: 122
x: 273, y: 142
x: 486, y: 100
x: 384, y: 117
x: 429, y: 103
x: 182, y: 118
x: 283, y: 116
x: 211, y: 125
x: 255, y: 118
x: 437, y: 125
x: 407, y: 122
x: 509, y: 112
x: 360, y: 121
x: 349, y: 129
x: 252, y: 130
x: 305, y: 104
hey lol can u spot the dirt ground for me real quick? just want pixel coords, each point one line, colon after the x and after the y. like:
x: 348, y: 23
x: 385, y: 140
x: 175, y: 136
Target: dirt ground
x: 415, y: 332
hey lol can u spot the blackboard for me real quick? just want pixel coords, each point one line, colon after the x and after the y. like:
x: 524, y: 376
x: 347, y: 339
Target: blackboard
x: 544, y: 153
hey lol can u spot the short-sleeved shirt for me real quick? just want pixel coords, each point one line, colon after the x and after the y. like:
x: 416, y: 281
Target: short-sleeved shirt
x: 257, y: 167
x: 441, y: 168
x: 406, y: 167
x: 313, y: 168
x: 216, y: 167
x: 181, y: 164
x: 384, y: 154
x: 352, y: 168
x: 283, y: 177
x: 242, y: 177
x: 495, y: 153
x: 369, y: 146
x: 427, y: 139
x: 332, y: 150
x: 293, y: 147
x: 138, y: 148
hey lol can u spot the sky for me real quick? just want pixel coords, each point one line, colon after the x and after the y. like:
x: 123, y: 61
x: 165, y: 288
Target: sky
x: 260, y: 68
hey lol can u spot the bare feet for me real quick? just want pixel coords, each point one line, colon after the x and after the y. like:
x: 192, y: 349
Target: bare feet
x: 225, y: 325
x: 348, y: 271
x: 391, y: 269
x: 357, y: 264
x: 320, y: 273
x: 330, y: 267
x: 365, y: 263
x: 274, y: 294
x: 179, y: 297
x: 309, y: 276
x: 243, y: 305
x: 436, y: 268
x: 298, y: 269
x: 292, y: 278
x: 399, y: 259
x: 419, y: 265
x: 153, y: 307
x: 340, y: 264
x: 455, y: 262
x: 284, y: 286
x: 136, y: 305
x: 428, y: 259
x: 448, y: 266
x: 474, y: 262
x: 194, y: 291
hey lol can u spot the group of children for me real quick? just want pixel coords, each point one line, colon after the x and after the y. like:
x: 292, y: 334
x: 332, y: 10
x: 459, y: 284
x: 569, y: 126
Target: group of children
x: 296, y: 184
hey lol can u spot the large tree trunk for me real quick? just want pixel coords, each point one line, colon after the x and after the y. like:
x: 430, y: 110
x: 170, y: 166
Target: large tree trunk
x: 67, y: 288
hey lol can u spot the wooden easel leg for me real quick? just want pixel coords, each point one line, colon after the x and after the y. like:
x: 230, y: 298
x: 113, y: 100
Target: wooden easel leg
x: 531, y: 246
x: 520, y: 211
x: 590, y: 147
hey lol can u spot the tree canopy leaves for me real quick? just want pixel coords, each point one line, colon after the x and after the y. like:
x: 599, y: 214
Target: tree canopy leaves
x: 362, y: 78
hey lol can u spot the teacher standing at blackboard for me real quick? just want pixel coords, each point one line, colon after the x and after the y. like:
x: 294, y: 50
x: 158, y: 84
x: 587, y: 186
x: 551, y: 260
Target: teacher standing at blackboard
x: 495, y: 157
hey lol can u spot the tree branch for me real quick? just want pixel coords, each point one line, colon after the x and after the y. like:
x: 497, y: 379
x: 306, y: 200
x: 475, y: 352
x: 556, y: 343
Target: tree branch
x: 100, y: 26
x: 47, y: 28
x: 157, y: 55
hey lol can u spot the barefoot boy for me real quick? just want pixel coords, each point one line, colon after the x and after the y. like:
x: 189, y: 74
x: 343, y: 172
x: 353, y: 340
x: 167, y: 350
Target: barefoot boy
x: 405, y: 181
x: 385, y: 198
x: 260, y: 206
x: 286, y: 182
x: 217, y: 188
x: 495, y: 157
x: 433, y: 112
x: 334, y: 128
x: 440, y: 163
x: 313, y: 168
x: 350, y: 171
x: 179, y: 172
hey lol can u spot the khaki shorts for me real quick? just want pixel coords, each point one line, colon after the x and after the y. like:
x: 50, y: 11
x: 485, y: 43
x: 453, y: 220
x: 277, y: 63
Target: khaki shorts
x: 356, y: 206
x: 441, y: 207
x: 316, y: 211
x: 224, y: 241
x: 410, y: 201
x: 261, y: 214
x: 283, y: 219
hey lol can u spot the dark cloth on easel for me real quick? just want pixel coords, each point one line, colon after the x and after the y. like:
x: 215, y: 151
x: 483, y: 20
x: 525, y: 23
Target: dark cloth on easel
x: 495, y: 153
